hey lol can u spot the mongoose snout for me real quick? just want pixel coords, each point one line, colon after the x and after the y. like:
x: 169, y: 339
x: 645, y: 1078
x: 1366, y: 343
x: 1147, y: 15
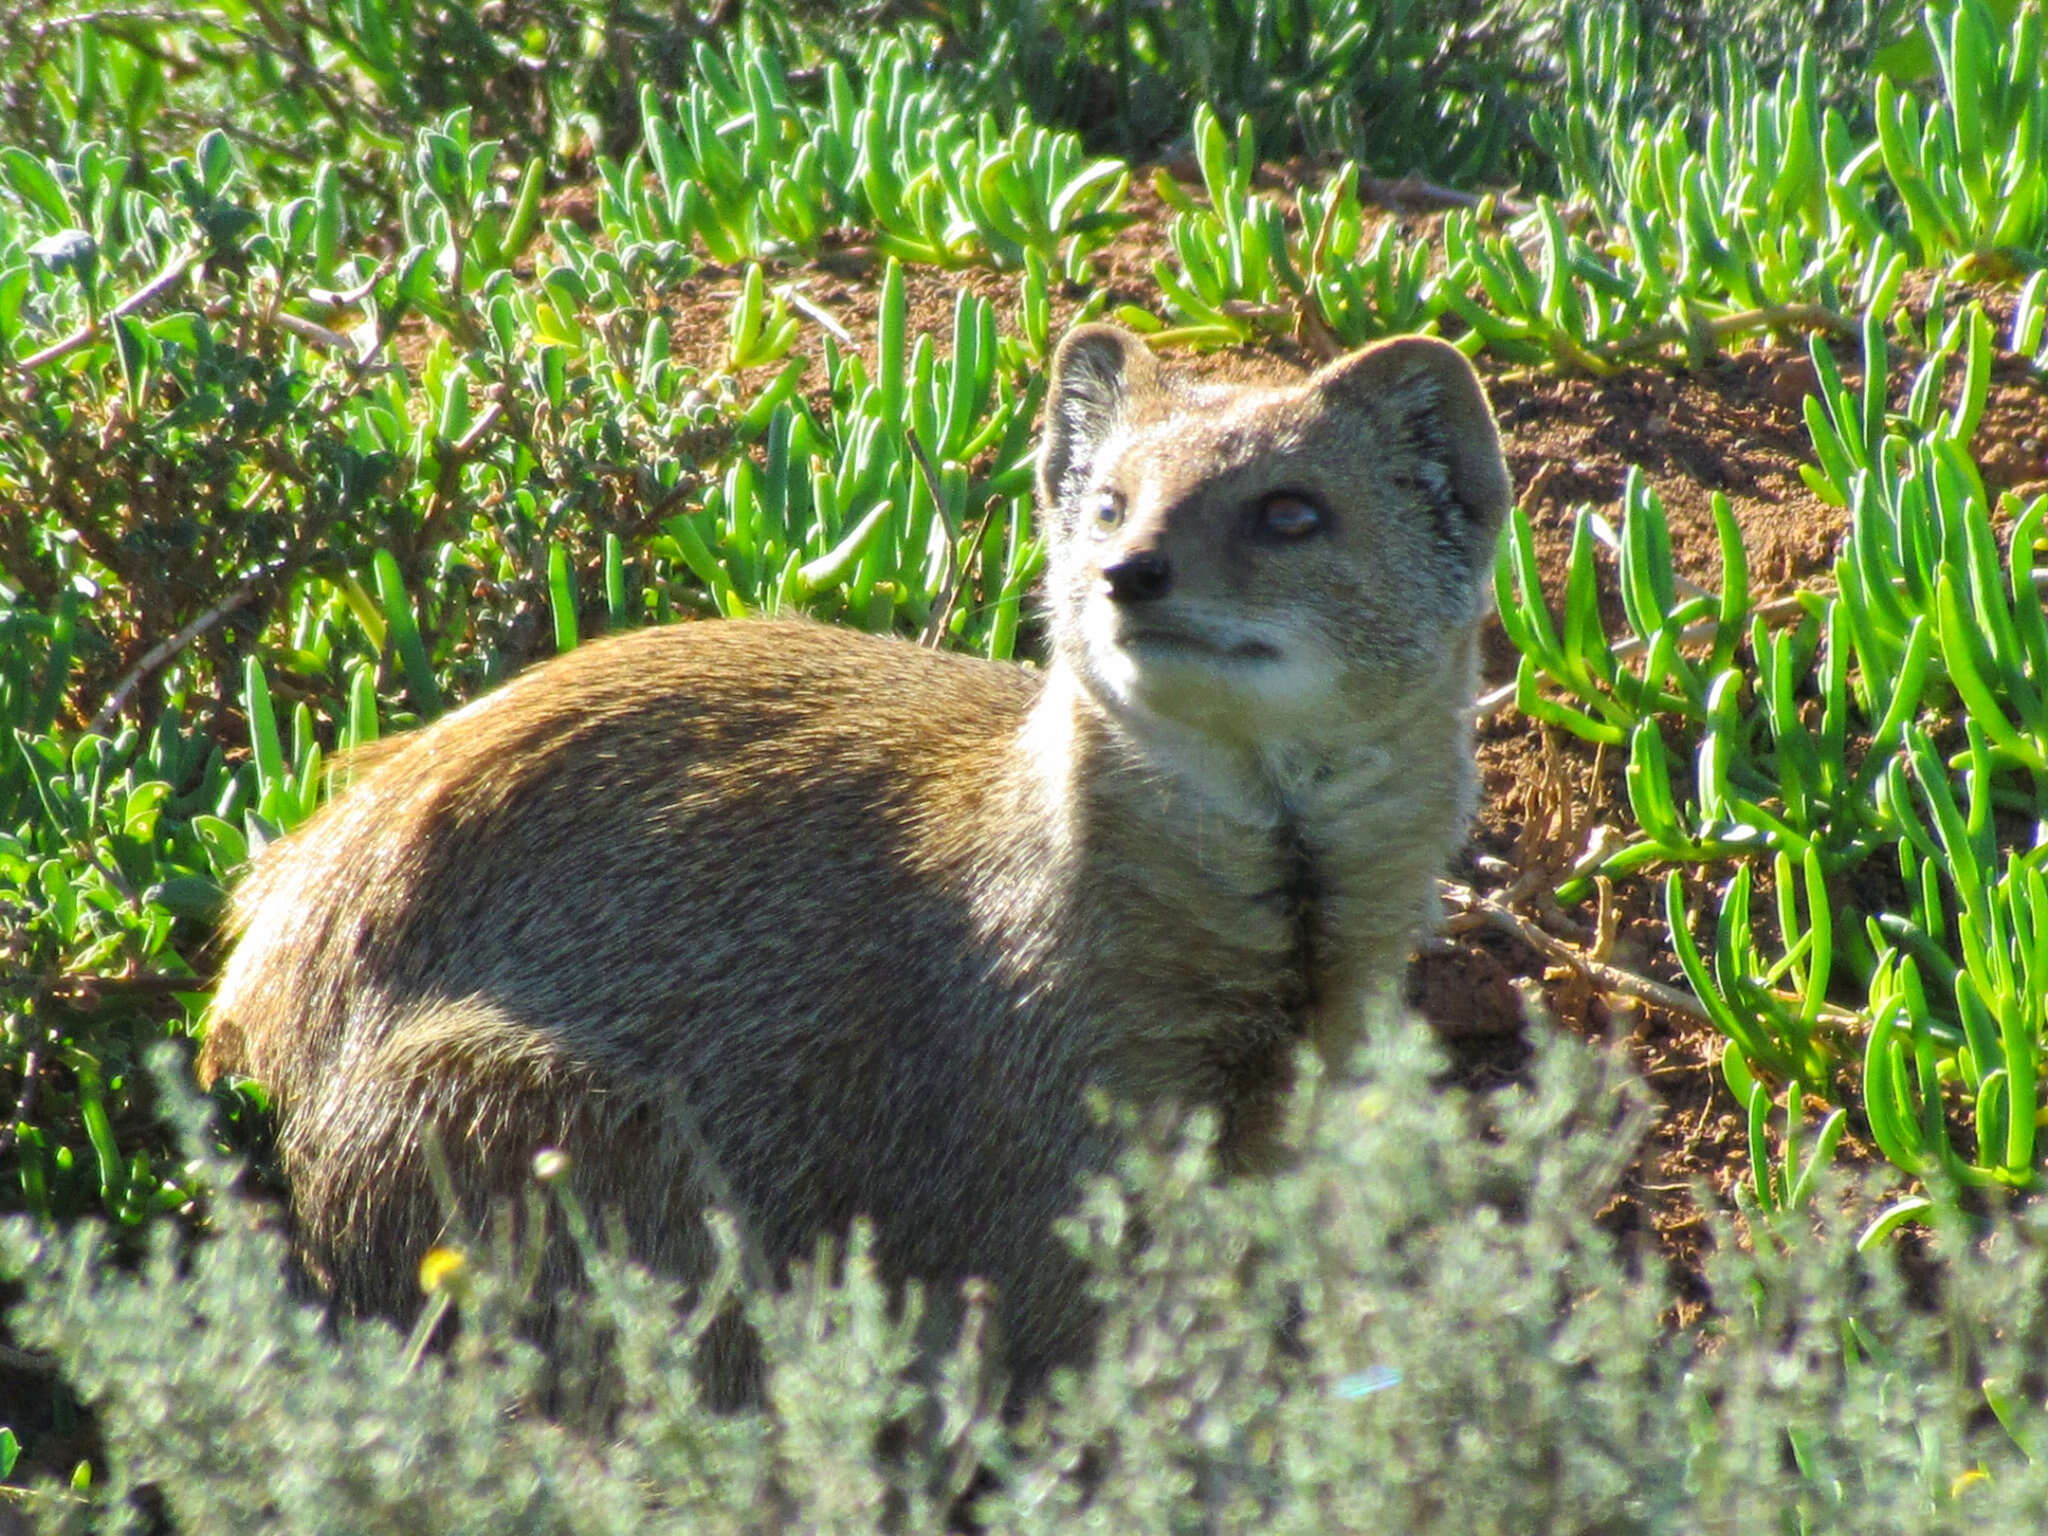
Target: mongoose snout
x: 1139, y: 578
x: 820, y: 925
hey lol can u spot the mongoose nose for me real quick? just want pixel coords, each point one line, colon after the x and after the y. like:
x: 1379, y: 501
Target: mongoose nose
x: 1140, y: 578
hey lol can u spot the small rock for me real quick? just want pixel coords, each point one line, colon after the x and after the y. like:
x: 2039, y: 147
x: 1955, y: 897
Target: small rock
x: 1793, y: 381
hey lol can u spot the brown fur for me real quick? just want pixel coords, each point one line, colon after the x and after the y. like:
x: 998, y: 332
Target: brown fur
x: 825, y: 925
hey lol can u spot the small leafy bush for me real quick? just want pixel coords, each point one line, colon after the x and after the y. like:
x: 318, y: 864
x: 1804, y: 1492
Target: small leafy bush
x: 1421, y: 1327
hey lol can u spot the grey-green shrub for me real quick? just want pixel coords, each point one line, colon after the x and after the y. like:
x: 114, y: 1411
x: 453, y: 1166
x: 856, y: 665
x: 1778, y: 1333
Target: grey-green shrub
x: 1421, y: 1327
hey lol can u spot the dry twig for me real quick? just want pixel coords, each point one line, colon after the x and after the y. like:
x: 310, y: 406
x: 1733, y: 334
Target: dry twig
x: 172, y: 274
x: 958, y: 567
x: 164, y: 650
x: 1477, y: 910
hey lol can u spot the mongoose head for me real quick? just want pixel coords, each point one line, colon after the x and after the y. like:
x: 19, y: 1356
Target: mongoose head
x: 1267, y: 562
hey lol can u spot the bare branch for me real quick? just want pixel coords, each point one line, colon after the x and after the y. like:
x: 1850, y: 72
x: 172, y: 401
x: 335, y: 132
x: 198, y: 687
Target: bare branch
x: 1477, y: 910
x: 169, y: 278
x: 164, y: 650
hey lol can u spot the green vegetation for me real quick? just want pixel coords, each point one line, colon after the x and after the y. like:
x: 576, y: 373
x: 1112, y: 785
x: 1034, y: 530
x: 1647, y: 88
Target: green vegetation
x: 355, y: 355
x: 1814, y: 732
x: 1468, y: 1353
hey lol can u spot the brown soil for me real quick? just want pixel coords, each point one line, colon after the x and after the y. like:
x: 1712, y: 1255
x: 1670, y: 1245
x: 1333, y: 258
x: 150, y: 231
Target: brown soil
x: 1734, y: 427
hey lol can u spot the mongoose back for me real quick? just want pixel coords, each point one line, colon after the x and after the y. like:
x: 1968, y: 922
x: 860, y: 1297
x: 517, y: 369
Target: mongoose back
x: 823, y: 925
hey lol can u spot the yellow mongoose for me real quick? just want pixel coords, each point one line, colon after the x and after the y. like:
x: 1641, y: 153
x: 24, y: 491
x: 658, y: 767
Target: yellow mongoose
x: 826, y: 925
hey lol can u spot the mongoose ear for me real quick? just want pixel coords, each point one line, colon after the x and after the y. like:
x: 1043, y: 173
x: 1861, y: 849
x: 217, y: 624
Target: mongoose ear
x: 1420, y: 394
x: 1098, y: 373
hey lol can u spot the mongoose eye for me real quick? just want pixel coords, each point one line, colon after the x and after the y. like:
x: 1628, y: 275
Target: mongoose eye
x: 1287, y: 516
x: 1105, y: 510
